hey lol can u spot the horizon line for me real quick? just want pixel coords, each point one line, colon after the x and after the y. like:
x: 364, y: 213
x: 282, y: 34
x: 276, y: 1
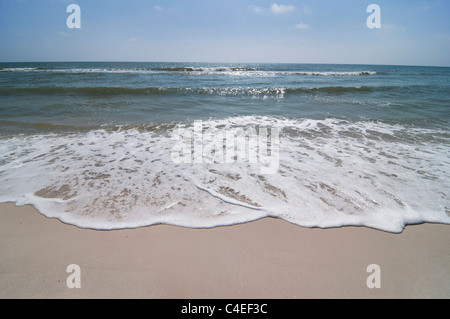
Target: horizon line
x: 315, y: 63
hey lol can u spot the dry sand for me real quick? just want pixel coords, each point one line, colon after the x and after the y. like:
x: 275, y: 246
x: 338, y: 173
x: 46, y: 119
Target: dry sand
x: 269, y: 258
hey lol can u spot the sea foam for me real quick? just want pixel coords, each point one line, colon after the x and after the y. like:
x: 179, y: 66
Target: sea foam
x: 331, y: 173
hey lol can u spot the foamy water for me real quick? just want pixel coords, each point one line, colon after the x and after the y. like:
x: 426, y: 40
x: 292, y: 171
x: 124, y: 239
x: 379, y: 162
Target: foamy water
x: 331, y: 173
x: 346, y: 147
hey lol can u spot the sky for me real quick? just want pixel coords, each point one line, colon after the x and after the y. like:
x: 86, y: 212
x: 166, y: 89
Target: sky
x: 412, y: 32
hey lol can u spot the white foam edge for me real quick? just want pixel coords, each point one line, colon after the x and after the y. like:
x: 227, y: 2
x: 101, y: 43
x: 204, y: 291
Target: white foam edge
x: 386, y: 219
x: 47, y: 207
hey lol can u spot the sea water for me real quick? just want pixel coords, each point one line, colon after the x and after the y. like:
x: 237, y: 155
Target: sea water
x: 125, y: 145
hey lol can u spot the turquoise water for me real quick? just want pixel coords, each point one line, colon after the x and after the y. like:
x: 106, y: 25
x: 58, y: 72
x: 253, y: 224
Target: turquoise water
x: 91, y: 143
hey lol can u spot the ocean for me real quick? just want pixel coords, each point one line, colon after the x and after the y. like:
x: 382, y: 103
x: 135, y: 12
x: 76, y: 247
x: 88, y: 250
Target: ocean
x: 125, y: 145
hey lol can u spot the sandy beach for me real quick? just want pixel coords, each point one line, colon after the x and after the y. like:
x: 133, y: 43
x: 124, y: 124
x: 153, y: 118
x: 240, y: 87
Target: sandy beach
x: 269, y: 258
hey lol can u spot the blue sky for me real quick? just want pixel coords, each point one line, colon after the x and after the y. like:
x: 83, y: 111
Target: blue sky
x: 413, y: 32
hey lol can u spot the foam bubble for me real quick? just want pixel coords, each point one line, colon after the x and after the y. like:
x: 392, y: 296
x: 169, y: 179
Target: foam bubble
x: 331, y: 173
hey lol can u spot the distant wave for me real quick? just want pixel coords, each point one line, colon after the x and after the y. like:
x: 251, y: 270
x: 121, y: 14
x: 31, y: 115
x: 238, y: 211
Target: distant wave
x: 353, y: 73
x: 87, y: 90
x: 237, y: 71
x: 168, y: 91
x: 17, y: 69
x: 193, y: 69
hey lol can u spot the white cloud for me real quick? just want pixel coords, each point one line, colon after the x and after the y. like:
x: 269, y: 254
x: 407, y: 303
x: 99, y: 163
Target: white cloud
x: 302, y: 26
x: 159, y: 8
x: 280, y: 8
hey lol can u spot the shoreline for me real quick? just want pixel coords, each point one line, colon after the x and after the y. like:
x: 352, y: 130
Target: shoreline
x: 265, y: 259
